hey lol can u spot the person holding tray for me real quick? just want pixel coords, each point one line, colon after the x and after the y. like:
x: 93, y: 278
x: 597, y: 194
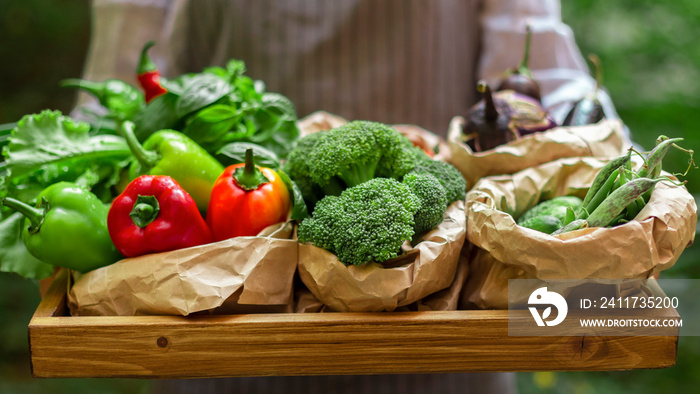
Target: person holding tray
x: 393, y: 61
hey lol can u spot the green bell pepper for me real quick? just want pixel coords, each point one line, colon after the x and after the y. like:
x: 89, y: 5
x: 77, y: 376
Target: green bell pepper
x: 67, y: 228
x: 171, y: 153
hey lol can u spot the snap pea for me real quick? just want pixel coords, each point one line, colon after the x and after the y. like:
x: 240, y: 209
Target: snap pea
x: 632, y: 210
x: 652, y: 167
x: 575, y: 225
x: 603, y: 175
x: 603, y: 192
x: 618, y: 200
x: 570, y: 216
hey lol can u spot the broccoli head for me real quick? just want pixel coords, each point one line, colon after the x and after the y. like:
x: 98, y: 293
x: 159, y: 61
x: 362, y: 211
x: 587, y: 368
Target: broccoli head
x: 297, y: 167
x: 367, y: 222
x: 433, y: 200
x: 359, y: 151
x: 451, y: 179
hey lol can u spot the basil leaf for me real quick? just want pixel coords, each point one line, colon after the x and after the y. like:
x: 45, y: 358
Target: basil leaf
x: 159, y: 114
x: 209, y: 126
x: 200, y: 91
x: 299, y: 210
x: 234, y: 153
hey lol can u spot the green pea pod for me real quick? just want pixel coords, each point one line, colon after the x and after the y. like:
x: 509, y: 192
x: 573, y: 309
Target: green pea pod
x: 618, y: 200
x: 632, y: 210
x: 575, y: 225
x: 616, y: 184
x: 641, y: 203
x: 603, y: 175
x: 582, y: 214
x: 603, y: 192
x: 570, y: 216
x: 67, y: 228
x: 652, y: 168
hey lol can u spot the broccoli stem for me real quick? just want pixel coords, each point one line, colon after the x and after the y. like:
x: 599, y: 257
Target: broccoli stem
x: 333, y: 188
x: 356, y: 174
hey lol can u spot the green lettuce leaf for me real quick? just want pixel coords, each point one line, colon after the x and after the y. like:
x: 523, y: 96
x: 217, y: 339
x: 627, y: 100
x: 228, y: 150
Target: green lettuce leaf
x: 14, y: 256
x: 51, y: 138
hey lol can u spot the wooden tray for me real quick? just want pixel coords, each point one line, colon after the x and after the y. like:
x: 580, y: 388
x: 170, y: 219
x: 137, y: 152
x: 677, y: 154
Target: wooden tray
x: 314, y: 344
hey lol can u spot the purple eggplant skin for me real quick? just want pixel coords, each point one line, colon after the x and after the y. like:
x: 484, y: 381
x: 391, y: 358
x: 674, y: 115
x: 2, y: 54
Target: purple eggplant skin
x: 530, y: 116
x: 503, y: 117
x: 522, y: 84
x: 489, y: 131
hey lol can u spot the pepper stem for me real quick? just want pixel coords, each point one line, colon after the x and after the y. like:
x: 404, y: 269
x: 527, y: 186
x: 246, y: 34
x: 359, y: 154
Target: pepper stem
x: 34, y: 215
x: 94, y: 88
x: 145, y: 210
x: 249, y: 177
x: 490, y: 111
x: 145, y: 62
x: 148, y: 159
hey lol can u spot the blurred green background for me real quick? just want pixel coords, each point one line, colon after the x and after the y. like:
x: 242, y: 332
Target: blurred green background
x: 651, y: 67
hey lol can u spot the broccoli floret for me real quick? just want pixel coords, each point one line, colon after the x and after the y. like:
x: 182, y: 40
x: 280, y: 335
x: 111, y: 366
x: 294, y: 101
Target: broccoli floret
x: 368, y: 222
x: 433, y: 200
x: 359, y: 151
x: 297, y: 167
x: 451, y: 179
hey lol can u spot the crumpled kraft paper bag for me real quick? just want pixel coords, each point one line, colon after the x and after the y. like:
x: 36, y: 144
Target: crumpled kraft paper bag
x: 487, y: 285
x: 374, y: 288
x: 323, y: 121
x: 319, y: 121
x: 604, y: 139
x: 638, y: 249
x: 238, y: 275
x: 444, y: 300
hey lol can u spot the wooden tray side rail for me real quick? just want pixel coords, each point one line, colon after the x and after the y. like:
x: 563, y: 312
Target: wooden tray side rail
x: 314, y: 344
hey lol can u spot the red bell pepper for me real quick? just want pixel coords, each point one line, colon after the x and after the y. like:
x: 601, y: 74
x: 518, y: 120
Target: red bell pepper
x: 154, y: 214
x: 149, y: 75
x: 246, y: 199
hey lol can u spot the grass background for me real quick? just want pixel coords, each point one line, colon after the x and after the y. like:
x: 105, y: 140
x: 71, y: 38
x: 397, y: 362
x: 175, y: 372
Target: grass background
x: 651, y: 67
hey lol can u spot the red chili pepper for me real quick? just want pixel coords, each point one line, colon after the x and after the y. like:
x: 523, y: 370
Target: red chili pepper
x: 154, y: 214
x: 246, y: 199
x: 148, y: 75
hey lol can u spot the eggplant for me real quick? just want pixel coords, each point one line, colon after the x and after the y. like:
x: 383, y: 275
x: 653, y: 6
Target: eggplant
x: 501, y: 117
x: 520, y: 79
x: 588, y: 110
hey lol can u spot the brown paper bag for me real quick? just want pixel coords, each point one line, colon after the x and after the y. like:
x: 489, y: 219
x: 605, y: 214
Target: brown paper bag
x: 639, y: 249
x: 604, y: 139
x: 238, y: 275
x: 443, y: 300
x: 372, y: 287
x: 319, y: 121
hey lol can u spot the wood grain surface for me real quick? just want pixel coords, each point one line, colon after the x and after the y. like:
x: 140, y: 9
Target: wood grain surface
x: 315, y: 344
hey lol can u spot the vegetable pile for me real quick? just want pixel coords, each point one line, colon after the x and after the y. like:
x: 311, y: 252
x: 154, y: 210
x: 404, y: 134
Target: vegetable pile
x: 370, y: 190
x: 201, y: 158
x: 139, y: 177
x: 618, y: 193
